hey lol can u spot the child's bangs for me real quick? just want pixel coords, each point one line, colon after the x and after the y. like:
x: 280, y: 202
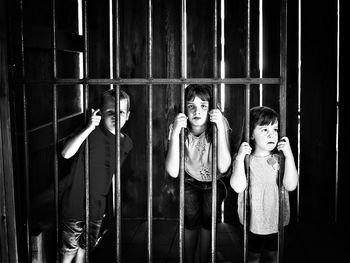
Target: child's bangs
x: 200, y: 93
x: 266, y: 119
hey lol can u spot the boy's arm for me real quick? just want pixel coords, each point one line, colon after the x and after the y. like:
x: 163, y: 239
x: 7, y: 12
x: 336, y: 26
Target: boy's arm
x: 290, y: 178
x: 72, y: 145
x: 172, y: 161
x: 238, y: 180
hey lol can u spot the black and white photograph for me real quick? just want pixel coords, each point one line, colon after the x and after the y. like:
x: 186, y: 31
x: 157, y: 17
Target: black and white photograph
x: 174, y: 131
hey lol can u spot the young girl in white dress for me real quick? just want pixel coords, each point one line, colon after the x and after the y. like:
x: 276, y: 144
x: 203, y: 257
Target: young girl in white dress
x: 263, y: 189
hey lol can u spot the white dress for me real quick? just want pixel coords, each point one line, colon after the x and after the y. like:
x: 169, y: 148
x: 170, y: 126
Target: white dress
x: 264, y: 196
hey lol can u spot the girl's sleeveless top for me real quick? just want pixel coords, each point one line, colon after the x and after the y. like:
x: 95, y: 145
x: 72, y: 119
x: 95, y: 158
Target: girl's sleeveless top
x: 198, y: 155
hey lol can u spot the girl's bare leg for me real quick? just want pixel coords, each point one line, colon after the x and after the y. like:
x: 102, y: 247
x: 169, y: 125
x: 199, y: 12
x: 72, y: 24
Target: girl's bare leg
x: 191, y: 237
x: 204, y: 249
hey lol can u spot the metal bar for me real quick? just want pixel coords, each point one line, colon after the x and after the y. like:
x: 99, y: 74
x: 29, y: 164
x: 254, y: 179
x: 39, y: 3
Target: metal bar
x: 156, y: 81
x: 215, y: 138
x: 25, y: 140
x: 283, y: 117
x: 182, y: 135
x: 86, y: 103
x: 336, y: 186
x: 299, y: 105
x: 117, y: 41
x: 55, y: 126
x: 117, y: 176
x: 116, y: 74
x: 150, y: 138
x: 246, y: 214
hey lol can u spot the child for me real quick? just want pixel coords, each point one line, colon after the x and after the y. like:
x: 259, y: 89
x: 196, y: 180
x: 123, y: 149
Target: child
x: 198, y: 165
x: 101, y: 170
x: 263, y: 188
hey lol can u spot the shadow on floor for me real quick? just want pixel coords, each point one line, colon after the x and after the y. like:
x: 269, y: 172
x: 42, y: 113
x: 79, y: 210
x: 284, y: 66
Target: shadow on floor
x: 323, y: 243
x: 165, y: 243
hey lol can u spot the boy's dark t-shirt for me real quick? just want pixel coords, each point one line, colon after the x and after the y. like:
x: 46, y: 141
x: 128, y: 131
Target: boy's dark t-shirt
x: 101, y: 170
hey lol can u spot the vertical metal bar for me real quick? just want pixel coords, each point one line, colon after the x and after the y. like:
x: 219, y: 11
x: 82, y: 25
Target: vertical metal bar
x: 55, y: 126
x: 117, y: 176
x: 246, y: 214
x: 86, y: 103
x: 283, y: 116
x: 25, y: 139
x: 150, y: 137
x: 116, y: 68
x: 215, y: 141
x: 299, y: 103
x: 336, y: 195
x: 182, y: 136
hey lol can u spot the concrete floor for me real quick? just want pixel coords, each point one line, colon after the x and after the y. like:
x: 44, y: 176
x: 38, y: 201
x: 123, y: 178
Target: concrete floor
x: 165, y: 243
x: 322, y: 243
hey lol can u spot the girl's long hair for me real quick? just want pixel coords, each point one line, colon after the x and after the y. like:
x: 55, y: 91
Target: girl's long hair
x: 204, y: 92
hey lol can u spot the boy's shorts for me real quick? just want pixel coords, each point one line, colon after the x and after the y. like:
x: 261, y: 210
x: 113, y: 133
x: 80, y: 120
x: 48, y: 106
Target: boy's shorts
x: 258, y: 243
x: 198, y: 202
x: 73, y: 235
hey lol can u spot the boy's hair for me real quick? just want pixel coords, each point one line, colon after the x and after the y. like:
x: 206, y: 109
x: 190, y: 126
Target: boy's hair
x: 260, y: 116
x: 110, y: 95
x: 202, y: 91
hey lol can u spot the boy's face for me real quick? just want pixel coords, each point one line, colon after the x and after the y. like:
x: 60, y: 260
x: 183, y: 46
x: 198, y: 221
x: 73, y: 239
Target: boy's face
x: 108, y: 114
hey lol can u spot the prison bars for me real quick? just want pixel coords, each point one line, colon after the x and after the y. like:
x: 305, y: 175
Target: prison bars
x: 155, y: 81
x: 246, y: 210
x: 150, y: 81
x: 116, y: 73
x: 215, y: 138
x: 283, y: 117
x: 182, y: 135
x: 25, y: 137
x: 86, y: 106
x: 55, y: 125
x: 149, y: 138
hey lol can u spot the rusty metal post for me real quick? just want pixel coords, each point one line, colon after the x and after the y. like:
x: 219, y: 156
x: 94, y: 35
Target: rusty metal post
x: 150, y: 138
x: 215, y: 138
x: 246, y: 212
x: 55, y: 125
x: 117, y: 174
x: 182, y: 135
x: 86, y: 104
x: 25, y: 139
x: 283, y: 117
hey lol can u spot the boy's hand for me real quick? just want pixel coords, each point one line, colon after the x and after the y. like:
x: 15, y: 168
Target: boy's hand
x: 215, y: 116
x: 244, y: 149
x: 94, y: 119
x: 179, y: 122
x: 284, y: 146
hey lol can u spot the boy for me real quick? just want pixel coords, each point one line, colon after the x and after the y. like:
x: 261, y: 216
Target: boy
x: 101, y: 170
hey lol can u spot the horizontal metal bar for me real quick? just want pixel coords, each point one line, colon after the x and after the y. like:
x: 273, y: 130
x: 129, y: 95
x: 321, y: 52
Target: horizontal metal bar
x: 50, y: 123
x: 156, y: 81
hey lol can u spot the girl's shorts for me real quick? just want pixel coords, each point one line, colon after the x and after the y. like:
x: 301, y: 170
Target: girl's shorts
x: 198, y: 202
x: 73, y: 235
x: 258, y: 243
